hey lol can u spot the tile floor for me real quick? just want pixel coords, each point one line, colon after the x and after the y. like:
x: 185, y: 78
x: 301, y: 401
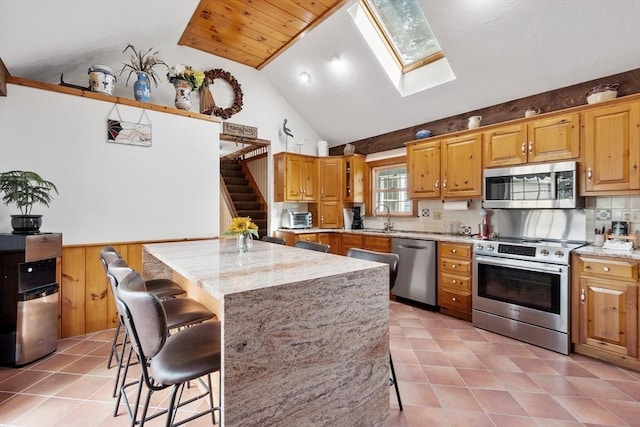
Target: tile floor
x: 450, y: 374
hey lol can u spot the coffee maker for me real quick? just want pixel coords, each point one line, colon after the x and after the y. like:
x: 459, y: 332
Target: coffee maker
x: 356, y: 223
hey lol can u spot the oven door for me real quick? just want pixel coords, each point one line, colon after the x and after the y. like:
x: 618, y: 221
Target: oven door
x: 525, y: 291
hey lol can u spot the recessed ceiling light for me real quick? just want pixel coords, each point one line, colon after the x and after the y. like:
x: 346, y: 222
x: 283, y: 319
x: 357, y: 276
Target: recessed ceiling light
x: 334, y: 59
x: 305, y: 77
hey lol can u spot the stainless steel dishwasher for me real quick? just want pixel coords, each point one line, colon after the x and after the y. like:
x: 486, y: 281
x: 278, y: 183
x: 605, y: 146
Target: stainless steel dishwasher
x: 417, y: 275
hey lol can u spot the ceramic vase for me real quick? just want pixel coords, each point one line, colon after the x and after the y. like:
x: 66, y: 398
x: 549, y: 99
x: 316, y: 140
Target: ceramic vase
x: 101, y: 79
x: 183, y: 94
x: 244, y: 242
x: 141, y: 88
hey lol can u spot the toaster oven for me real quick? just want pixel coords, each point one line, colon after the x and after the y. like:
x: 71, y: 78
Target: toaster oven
x: 294, y: 220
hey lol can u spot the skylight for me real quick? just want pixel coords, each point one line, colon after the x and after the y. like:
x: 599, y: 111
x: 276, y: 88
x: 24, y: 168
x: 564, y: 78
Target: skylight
x: 405, y: 31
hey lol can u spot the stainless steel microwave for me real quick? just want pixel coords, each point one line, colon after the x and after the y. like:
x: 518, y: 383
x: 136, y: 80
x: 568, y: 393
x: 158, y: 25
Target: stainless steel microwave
x: 540, y: 186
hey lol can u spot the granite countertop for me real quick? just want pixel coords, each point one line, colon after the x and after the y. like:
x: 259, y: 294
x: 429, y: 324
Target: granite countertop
x: 217, y: 267
x: 405, y: 234
x: 607, y: 253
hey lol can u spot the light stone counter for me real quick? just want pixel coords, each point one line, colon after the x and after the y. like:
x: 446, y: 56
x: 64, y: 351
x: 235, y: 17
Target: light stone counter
x: 608, y: 253
x: 405, y: 234
x: 305, y: 334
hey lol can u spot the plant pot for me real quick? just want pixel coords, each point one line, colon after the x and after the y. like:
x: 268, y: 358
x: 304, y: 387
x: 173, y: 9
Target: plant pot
x: 142, y: 88
x: 26, y: 224
x: 101, y: 79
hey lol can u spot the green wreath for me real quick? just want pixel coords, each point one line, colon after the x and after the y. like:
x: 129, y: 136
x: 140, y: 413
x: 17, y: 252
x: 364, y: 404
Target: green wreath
x: 236, y: 107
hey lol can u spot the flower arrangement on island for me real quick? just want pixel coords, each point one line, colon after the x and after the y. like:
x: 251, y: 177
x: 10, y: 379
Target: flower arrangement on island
x: 186, y: 72
x: 244, y: 228
x: 242, y: 225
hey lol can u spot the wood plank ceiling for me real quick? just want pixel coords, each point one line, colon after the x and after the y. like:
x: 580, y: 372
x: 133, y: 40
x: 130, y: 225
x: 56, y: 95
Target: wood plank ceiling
x: 253, y: 32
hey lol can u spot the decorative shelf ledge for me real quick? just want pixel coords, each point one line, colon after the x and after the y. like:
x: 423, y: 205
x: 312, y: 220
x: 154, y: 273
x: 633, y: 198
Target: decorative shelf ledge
x: 109, y: 98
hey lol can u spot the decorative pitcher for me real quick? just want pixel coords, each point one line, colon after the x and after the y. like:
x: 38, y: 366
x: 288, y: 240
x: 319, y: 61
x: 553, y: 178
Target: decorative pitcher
x: 183, y: 94
x: 474, y: 122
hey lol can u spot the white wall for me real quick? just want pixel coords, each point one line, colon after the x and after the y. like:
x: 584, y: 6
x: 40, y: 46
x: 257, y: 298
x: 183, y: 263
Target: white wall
x: 111, y: 192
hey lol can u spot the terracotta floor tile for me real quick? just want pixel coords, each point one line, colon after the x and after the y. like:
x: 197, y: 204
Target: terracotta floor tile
x: 542, y: 406
x: 587, y: 410
x: 512, y: 421
x: 423, y: 344
x: 83, y: 365
x: 456, y: 398
x: 398, y: 342
x: 83, y: 348
x: 410, y: 322
x: 48, y: 413
x: 413, y: 332
x: 14, y: 408
x: 498, y: 402
x: 465, y: 360
x: 598, y: 389
x: 468, y: 419
x: 54, y: 362
x: 482, y: 348
x: 453, y: 345
x: 517, y: 381
x: 6, y: 373
x: 606, y: 371
x: 432, y: 358
x: 84, y: 387
x: 627, y: 411
x: 417, y: 394
x: 557, y: 385
x: 470, y: 335
x: 425, y: 416
x: 533, y: 366
x: 444, y: 334
x: 630, y: 388
x: 410, y: 373
x: 495, y: 362
x: 404, y: 355
x: 480, y: 378
x: 443, y: 375
x: 569, y: 368
x: 52, y: 384
x: 24, y: 379
x: 84, y: 411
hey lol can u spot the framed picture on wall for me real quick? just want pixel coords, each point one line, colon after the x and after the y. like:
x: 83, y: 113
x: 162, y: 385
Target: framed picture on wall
x: 129, y: 133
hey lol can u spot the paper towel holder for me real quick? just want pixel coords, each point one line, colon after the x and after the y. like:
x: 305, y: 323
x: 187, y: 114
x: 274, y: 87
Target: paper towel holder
x: 467, y: 203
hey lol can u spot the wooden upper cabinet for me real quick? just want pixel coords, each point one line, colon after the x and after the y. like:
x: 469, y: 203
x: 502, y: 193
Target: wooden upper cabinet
x: 354, y: 169
x: 461, y: 164
x: 548, y: 139
x: 295, y: 178
x: 612, y: 148
x: 329, y: 182
x: 423, y: 162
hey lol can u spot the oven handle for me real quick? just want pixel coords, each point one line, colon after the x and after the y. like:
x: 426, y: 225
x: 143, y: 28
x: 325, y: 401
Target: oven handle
x: 503, y: 262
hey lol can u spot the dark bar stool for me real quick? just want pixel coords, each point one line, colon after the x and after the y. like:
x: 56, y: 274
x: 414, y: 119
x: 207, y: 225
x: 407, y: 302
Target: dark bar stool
x: 392, y: 261
x: 312, y: 246
x: 270, y: 239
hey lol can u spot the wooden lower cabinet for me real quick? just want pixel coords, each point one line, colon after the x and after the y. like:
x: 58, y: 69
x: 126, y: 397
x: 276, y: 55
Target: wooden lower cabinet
x: 454, y: 279
x: 604, y: 299
x: 351, y: 241
x: 86, y: 302
x: 376, y: 243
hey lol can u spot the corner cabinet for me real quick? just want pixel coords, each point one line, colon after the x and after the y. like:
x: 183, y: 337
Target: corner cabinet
x: 612, y: 149
x: 605, y: 309
x: 446, y: 167
x: 454, y: 279
x: 295, y: 178
x: 354, y: 169
x: 549, y: 139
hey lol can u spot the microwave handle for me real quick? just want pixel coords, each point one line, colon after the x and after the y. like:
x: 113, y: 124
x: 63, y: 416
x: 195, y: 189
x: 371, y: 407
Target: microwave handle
x: 554, y: 185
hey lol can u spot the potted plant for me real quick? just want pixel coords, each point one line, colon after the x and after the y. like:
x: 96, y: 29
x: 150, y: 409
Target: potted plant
x: 142, y: 63
x: 24, y: 189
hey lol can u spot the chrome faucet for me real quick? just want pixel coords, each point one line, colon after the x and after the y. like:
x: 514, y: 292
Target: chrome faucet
x: 387, y: 225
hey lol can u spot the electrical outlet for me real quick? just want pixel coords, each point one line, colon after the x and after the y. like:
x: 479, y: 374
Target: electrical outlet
x: 603, y: 214
x: 630, y: 216
x: 437, y: 215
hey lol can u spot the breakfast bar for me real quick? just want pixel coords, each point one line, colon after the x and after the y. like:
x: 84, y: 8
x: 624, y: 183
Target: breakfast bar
x: 305, y: 335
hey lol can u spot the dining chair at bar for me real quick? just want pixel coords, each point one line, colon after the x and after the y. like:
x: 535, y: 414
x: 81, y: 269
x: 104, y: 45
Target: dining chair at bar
x: 271, y: 239
x: 168, y: 361
x: 392, y: 260
x: 312, y: 246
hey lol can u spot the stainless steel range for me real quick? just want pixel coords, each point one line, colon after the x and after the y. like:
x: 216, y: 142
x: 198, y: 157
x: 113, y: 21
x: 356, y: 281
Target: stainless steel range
x: 521, y: 289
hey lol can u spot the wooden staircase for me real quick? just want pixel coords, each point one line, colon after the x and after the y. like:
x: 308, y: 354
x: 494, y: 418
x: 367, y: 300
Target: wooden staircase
x: 242, y: 194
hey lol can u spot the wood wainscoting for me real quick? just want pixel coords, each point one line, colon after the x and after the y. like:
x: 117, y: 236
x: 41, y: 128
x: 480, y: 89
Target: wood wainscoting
x: 86, y: 302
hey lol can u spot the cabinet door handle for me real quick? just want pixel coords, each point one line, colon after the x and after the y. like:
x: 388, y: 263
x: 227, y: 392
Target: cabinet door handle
x: 606, y: 269
x: 453, y: 251
x: 589, y: 174
x: 437, y: 183
x: 583, y: 297
x: 453, y: 266
x: 530, y: 147
x: 454, y: 281
x: 444, y: 184
x: 322, y: 219
x: 453, y: 299
x: 524, y: 148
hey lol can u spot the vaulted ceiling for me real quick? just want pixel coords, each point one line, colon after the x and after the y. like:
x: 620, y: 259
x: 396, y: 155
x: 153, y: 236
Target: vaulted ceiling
x: 499, y: 50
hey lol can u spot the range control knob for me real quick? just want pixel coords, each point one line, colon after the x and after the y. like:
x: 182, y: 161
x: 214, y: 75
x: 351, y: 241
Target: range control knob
x: 479, y: 246
x: 544, y: 252
x: 559, y: 254
x: 490, y: 247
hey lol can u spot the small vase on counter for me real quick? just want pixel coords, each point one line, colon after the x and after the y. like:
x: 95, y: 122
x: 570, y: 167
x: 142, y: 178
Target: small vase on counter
x: 244, y: 242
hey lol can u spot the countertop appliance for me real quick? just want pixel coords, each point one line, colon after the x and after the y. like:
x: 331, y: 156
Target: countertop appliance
x: 539, y: 186
x: 356, y: 222
x: 417, y: 275
x: 295, y: 220
x: 521, y: 289
x: 29, y: 296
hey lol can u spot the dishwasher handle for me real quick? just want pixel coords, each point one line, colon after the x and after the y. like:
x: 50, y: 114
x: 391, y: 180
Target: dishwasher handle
x: 412, y: 247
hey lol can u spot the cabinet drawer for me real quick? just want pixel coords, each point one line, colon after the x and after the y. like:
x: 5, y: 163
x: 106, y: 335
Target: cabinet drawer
x: 455, y: 283
x: 459, y: 301
x: 455, y: 250
x: 308, y: 237
x: 380, y: 244
x: 610, y: 268
x: 354, y: 240
x: 455, y: 266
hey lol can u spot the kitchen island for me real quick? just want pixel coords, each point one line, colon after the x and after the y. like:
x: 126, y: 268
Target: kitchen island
x: 305, y: 334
